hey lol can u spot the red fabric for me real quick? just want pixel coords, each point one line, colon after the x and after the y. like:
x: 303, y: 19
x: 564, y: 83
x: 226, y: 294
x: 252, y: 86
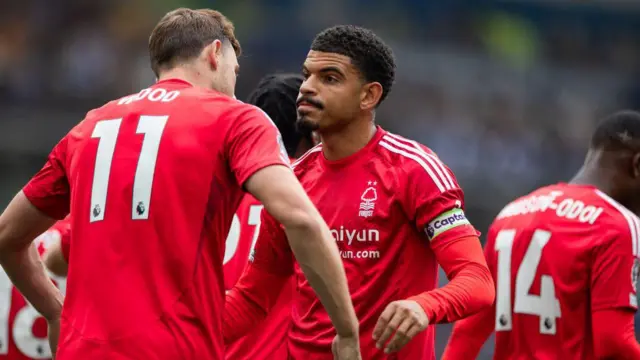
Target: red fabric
x: 389, y: 207
x: 614, y: 335
x: 266, y: 338
x: 23, y: 332
x: 469, y: 335
x: 579, y: 242
x: 159, y: 259
x: 470, y: 288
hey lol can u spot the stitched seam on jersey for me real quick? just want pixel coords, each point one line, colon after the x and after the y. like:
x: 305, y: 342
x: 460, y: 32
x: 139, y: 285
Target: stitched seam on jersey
x: 416, y: 148
x: 313, y: 150
x: 434, y: 163
x: 633, y: 224
x: 415, y: 158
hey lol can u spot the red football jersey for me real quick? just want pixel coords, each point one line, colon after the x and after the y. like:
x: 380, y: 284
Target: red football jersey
x: 153, y: 180
x: 556, y: 255
x: 241, y: 239
x: 387, y: 206
x: 268, y: 340
x: 23, y: 331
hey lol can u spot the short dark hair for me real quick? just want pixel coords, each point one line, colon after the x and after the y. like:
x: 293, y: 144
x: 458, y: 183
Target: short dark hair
x: 182, y: 34
x: 276, y: 95
x: 368, y: 53
x: 618, y: 131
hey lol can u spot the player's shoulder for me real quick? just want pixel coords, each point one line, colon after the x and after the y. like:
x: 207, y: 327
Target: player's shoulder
x: 400, y: 150
x: 308, y: 160
x: 411, y: 160
x: 617, y: 218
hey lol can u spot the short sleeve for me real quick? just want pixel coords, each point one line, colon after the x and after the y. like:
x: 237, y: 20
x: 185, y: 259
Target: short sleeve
x: 436, y: 201
x: 253, y: 143
x: 48, y: 190
x: 614, y: 274
x: 272, y: 252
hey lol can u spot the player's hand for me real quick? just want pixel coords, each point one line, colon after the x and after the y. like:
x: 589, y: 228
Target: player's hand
x: 346, y: 348
x: 403, y: 319
x: 54, y: 334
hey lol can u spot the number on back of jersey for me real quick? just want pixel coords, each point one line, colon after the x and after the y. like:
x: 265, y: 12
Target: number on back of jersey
x: 546, y: 306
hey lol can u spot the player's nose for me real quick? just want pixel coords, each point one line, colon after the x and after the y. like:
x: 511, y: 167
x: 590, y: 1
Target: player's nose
x: 307, y: 88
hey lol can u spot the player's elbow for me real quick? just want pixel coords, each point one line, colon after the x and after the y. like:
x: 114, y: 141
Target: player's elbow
x: 301, y: 220
x: 484, y: 293
x: 488, y: 293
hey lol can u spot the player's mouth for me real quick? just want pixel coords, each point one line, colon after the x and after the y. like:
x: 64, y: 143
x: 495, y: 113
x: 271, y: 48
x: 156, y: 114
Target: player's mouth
x: 307, y: 105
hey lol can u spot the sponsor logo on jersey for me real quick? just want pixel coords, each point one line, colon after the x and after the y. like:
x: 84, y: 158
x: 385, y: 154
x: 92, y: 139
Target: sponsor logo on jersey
x: 369, y: 197
x: 446, y: 221
x: 351, y: 235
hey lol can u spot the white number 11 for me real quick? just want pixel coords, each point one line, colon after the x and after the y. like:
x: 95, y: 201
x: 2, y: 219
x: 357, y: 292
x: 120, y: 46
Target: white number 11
x: 546, y: 305
x: 107, y: 131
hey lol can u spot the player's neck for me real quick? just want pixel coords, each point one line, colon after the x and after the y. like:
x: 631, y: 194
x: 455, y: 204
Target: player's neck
x: 185, y: 74
x: 348, y: 140
x: 594, y: 174
x: 587, y: 177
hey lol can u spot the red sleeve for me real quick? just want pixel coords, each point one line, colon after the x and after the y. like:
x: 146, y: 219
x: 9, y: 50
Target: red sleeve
x: 269, y: 269
x: 470, y: 288
x: 435, y: 201
x: 470, y: 334
x: 614, y: 272
x: 613, y: 335
x: 48, y: 190
x: 253, y: 142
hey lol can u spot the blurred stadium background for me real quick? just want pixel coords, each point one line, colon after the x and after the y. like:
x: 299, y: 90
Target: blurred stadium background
x: 506, y: 92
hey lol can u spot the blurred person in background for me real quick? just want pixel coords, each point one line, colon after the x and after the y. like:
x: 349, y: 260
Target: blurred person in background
x: 565, y: 261
x: 276, y: 95
x: 153, y: 180
x: 23, y: 331
x: 395, y: 211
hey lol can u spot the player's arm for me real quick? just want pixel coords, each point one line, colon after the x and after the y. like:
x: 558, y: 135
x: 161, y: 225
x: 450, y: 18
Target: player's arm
x: 437, y: 210
x: 20, y: 224
x: 55, y: 260
x: 270, y: 267
x: 31, y: 212
x: 614, y: 299
x: 470, y: 334
x: 56, y: 256
x: 256, y: 157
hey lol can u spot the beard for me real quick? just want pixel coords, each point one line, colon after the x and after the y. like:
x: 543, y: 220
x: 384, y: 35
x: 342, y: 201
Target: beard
x: 305, y: 126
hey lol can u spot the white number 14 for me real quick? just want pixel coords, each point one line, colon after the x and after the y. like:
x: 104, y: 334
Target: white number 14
x: 107, y: 131
x: 545, y: 305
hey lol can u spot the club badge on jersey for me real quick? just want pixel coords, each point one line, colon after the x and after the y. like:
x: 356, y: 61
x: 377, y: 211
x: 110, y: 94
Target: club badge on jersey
x: 23, y: 331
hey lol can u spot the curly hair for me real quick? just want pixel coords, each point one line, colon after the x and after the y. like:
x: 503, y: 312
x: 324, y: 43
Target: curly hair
x: 276, y: 95
x: 368, y: 53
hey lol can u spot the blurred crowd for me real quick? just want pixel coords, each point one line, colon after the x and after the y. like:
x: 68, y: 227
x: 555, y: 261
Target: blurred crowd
x: 506, y: 92
x: 501, y: 90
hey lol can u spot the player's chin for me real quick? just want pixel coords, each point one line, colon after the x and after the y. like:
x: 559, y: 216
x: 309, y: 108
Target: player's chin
x: 306, y: 122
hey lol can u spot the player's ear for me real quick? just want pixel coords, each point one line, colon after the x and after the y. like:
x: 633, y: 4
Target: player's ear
x: 370, y: 95
x: 213, y: 53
